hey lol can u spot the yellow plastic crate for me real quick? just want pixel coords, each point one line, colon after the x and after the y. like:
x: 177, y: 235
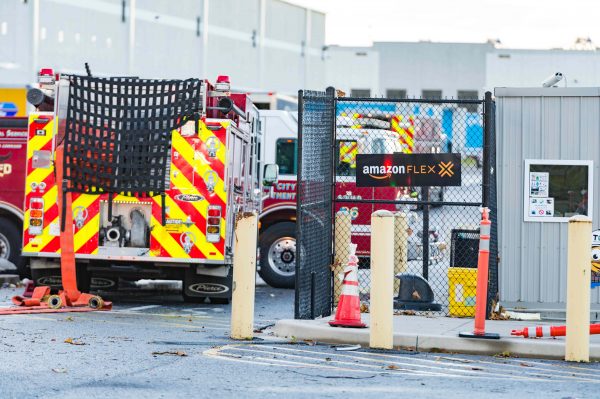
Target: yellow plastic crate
x: 462, y: 284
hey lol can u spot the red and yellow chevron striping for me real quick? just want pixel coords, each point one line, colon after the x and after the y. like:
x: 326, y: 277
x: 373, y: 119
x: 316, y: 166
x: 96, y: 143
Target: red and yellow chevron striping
x: 193, y: 158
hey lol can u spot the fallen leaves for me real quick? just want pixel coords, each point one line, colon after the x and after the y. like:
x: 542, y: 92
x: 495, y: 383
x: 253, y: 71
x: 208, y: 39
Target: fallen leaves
x: 405, y: 313
x: 170, y: 353
x: 73, y: 341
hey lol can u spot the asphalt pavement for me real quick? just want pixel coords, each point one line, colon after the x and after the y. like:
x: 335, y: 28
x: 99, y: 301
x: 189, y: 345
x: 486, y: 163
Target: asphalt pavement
x: 153, y: 345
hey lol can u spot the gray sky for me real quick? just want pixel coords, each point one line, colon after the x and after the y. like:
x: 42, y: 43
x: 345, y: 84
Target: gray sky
x: 517, y: 23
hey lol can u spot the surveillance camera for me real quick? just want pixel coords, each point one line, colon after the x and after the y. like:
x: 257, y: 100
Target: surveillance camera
x: 552, y: 79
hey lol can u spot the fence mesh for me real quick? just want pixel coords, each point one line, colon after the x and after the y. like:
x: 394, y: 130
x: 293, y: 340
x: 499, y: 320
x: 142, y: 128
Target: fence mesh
x: 314, y: 212
x: 437, y: 228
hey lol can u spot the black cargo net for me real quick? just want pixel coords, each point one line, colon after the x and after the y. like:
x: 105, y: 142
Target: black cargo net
x: 118, y: 133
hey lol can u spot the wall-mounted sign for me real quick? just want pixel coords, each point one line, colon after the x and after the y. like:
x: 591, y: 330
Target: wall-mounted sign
x: 595, y: 258
x: 398, y: 170
x: 555, y: 190
x: 541, y: 207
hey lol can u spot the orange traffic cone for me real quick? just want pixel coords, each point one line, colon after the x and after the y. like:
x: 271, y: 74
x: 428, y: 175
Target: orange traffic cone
x: 549, y: 331
x: 348, y: 310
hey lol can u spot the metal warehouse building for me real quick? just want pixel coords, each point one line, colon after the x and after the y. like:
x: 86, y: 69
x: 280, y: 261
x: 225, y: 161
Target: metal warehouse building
x: 548, y: 142
x: 262, y: 44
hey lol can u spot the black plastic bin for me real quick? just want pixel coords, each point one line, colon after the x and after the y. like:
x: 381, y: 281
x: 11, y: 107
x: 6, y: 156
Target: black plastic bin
x: 464, y: 248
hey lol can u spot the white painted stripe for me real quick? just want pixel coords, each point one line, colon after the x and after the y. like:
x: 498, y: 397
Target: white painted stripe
x: 351, y: 290
x: 449, y: 364
x: 440, y: 370
x: 546, y: 331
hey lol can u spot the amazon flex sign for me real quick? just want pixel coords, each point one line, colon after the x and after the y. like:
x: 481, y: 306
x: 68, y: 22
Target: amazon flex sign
x: 398, y: 170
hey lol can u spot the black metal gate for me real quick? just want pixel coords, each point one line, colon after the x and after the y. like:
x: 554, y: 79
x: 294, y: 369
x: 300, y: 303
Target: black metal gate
x: 442, y: 222
x: 316, y: 122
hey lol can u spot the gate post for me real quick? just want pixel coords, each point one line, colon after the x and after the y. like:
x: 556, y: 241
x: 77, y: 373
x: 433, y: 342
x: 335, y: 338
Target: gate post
x: 579, y: 242
x: 343, y: 225
x: 400, y: 247
x: 382, y: 280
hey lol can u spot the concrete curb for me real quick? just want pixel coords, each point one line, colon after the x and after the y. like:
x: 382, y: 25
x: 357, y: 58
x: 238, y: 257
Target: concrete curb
x: 319, y: 330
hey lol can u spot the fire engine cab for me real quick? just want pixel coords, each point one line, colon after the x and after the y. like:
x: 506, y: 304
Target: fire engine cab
x: 184, y: 233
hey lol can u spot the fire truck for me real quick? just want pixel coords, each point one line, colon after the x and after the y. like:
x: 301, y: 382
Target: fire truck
x: 13, y: 151
x: 355, y: 134
x: 185, y: 235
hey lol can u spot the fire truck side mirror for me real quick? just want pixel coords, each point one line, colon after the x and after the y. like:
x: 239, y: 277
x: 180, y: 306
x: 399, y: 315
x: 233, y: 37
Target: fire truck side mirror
x: 271, y: 175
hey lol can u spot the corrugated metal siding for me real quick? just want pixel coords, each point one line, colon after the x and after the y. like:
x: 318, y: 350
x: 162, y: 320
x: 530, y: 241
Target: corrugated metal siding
x: 562, y: 124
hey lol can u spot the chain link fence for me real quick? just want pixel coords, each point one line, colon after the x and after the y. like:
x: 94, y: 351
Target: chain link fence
x: 437, y: 228
x: 316, y: 121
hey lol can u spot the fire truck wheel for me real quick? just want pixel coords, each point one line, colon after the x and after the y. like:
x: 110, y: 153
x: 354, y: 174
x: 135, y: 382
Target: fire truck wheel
x: 10, y: 246
x: 278, y: 255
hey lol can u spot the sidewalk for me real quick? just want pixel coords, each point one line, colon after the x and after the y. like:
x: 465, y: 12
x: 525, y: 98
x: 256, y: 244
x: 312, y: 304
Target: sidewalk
x: 438, y: 334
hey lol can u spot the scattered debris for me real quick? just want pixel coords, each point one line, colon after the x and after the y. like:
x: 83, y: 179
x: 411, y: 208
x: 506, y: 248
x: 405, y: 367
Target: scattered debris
x: 405, y: 313
x: 499, y: 313
x: 262, y: 328
x: 526, y: 365
x: 364, y: 308
x: 72, y: 341
x: 392, y: 367
x: 503, y: 354
x: 335, y: 376
x: 172, y: 353
x: 522, y: 316
x: 327, y: 359
x: 60, y: 370
x: 453, y: 359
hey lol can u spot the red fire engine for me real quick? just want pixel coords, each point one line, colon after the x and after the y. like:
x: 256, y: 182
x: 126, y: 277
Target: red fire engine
x: 13, y: 152
x: 278, y: 218
x: 213, y: 175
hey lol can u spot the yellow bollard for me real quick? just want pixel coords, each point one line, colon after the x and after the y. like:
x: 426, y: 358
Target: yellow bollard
x: 400, y: 247
x: 577, y: 345
x: 343, y: 226
x: 382, y: 280
x: 244, y: 276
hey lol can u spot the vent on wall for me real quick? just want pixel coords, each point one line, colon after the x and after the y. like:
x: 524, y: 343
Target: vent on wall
x: 503, y: 55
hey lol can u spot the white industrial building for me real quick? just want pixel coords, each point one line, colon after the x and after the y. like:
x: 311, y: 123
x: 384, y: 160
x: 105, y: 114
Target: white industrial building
x: 262, y: 44
x: 453, y: 70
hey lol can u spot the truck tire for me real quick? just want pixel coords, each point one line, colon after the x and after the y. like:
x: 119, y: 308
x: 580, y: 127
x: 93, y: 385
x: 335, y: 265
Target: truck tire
x: 10, y: 246
x: 278, y: 255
